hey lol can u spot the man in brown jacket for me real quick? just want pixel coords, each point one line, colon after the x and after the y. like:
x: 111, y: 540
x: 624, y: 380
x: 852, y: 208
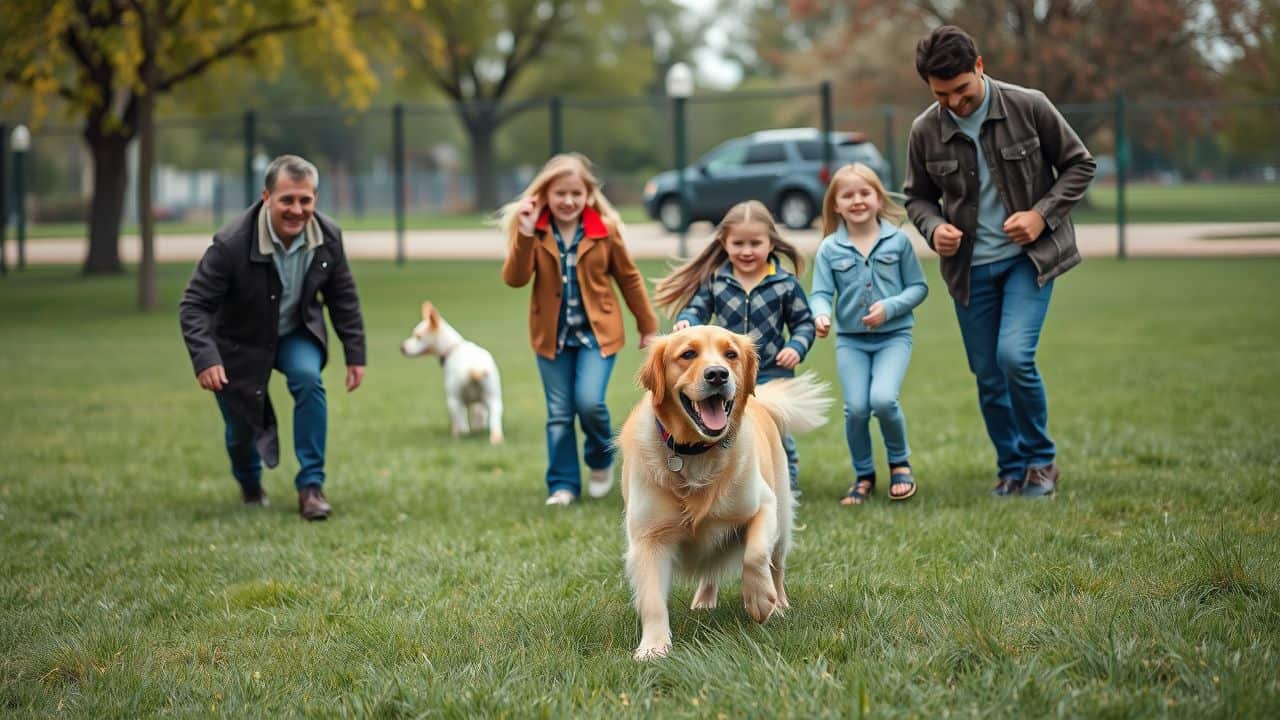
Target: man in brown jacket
x: 993, y: 171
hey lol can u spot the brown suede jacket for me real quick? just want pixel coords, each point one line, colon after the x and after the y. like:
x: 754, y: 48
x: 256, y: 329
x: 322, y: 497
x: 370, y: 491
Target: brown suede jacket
x: 601, y: 255
x: 1037, y: 163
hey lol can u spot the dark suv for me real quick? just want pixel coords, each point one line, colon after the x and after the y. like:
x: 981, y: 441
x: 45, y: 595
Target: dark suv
x: 781, y: 168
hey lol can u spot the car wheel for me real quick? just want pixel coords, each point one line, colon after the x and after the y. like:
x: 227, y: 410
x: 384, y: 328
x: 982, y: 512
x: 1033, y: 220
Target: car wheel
x: 670, y: 214
x: 796, y: 211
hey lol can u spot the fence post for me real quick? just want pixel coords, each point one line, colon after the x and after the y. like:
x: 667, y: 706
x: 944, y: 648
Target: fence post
x: 1122, y: 163
x: 556, y: 107
x: 824, y: 91
x: 890, y: 151
x: 249, y: 142
x: 4, y: 195
x: 397, y: 162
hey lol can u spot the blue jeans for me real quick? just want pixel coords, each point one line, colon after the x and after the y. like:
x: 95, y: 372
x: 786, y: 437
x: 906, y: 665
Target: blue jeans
x: 1001, y: 329
x: 574, y: 384
x: 299, y: 357
x: 871, y: 368
x: 788, y: 440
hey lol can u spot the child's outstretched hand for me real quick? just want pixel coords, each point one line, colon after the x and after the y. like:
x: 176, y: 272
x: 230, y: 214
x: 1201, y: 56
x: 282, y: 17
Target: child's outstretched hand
x: 527, y: 215
x: 680, y: 325
x: 788, y: 358
x: 875, y: 315
x: 647, y: 340
x: 822, y: 325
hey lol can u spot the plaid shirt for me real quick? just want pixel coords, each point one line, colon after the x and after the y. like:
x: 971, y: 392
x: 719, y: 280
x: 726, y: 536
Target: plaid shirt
x: 777, y: 301
x: 574, y: 330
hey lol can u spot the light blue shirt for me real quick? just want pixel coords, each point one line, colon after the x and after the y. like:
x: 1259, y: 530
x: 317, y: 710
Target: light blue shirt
x: 291, y: 263
x: 991, y: 244
x: 889, y: 274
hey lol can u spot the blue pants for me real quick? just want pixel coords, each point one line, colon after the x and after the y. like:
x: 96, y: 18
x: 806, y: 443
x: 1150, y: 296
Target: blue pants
x: 299, y: 357
x: 574, y: 384
x: 871, y: 368
x: 788, y: 440
x: 1001, y: 329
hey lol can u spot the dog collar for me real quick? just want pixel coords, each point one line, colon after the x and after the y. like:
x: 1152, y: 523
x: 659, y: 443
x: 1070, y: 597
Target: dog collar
x: 690, y: 448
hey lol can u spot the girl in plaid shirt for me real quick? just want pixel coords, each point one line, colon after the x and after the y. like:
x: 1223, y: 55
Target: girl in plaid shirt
x: 737, y: 282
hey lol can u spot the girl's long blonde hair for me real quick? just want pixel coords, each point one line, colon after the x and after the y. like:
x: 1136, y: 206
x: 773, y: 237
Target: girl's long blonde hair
x: 557, y: 167
x: 675, y: 291
x: 890, y: 209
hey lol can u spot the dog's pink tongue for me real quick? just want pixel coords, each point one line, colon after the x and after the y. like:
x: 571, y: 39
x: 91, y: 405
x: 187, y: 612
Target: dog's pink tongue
x: 712, y: 412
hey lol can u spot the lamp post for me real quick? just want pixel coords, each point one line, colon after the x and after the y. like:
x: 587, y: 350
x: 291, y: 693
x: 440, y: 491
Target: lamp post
x: 20, y: 141
x: 679, y: 83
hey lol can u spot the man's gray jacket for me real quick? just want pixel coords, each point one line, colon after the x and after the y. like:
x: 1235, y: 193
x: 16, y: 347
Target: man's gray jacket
x: 1037, y: 162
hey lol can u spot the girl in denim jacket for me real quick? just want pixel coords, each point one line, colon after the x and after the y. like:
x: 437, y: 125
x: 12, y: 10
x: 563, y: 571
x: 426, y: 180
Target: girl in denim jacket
x: 738, y: 282
x: 867, y: 272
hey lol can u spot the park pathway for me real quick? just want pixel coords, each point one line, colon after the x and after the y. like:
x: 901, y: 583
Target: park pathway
x: 649, y: 240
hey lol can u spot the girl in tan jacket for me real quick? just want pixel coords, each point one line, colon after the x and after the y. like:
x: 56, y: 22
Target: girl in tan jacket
x: 563, y: 234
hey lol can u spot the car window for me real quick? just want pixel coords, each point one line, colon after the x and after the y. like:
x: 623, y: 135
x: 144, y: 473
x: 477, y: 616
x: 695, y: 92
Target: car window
x: 766, y: 153
x: 725, y: 157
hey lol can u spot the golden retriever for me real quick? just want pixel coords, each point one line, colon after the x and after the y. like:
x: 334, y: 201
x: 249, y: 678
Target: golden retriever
x: 704, y: 475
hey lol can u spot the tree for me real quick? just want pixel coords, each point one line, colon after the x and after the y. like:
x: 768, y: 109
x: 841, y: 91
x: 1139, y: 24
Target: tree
x: 91, y: 55
x: 481, y: 56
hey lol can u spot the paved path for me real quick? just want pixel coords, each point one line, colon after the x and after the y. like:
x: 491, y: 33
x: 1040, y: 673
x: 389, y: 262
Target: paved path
x: 649, y: 240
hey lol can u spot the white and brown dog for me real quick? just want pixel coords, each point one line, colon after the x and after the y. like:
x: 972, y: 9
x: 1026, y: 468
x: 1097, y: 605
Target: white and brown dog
x: 704, y: 475
x: 472, y: 387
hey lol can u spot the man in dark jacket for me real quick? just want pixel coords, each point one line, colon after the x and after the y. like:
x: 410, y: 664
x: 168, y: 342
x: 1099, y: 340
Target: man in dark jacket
x: 254, y: 303
x: 993, y: 171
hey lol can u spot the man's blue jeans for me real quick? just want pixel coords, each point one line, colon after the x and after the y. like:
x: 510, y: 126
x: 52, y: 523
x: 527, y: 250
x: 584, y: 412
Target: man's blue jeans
x: 574, y: 384
x: 1001, y: 330
x: 299, y: 357
x: 871, y: 367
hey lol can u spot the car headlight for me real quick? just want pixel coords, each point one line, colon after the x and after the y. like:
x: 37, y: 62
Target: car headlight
x: 650, y: 188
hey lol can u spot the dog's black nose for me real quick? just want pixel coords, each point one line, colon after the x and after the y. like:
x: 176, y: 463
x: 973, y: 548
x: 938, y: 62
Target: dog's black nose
x: 716, y: 375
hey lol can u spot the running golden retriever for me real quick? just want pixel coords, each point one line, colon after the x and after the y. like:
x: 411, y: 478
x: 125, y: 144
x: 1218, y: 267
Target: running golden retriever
x: 704, y: 475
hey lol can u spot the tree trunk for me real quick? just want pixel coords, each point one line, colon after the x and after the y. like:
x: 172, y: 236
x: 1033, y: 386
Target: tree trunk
x: 147, y: 293
x: 109, y: 177
x: 481, y: 126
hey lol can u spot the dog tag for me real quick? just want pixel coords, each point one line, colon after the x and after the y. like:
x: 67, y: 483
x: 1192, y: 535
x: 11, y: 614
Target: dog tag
x: 675, y: 463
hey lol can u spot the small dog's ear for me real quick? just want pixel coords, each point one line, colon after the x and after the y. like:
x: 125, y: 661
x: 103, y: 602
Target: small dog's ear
x: 750, y: 363
x: 430, y: 315
x: 652, y: 375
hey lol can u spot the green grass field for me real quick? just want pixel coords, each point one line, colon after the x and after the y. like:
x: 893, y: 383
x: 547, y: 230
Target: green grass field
x: 133, y: 583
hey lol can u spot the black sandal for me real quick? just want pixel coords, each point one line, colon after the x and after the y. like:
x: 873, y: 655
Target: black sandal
x: 860, y: 492
x: 901, y: 479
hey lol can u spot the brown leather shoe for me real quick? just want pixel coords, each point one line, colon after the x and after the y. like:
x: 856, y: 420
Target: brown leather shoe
x: 311, y: 503
x: 1041, y: 481
x: 254, y: 496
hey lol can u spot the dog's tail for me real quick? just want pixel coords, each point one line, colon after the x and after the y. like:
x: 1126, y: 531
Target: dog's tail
x: 797, y: 404
x: 478, y: 374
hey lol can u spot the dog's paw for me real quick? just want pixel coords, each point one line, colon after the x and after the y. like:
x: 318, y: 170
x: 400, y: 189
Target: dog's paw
x: 495, y: 438
x: 759, y: 597
x: 654, y: 651
x: 705, y: 598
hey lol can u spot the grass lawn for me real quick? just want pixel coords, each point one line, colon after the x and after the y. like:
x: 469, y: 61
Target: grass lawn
x: 133, y: 583
x: 1190, y: 202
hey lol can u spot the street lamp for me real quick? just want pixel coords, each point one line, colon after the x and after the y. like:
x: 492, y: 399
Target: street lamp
x: 20, y: 141
x: 679, y: 83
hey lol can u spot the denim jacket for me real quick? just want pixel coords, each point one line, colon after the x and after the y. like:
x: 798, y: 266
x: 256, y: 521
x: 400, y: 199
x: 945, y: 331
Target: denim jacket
x: 891, y: 274
x: 778, y: 302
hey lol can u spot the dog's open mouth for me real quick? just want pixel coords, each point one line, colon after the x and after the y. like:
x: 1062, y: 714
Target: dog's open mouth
x: 710, y: 414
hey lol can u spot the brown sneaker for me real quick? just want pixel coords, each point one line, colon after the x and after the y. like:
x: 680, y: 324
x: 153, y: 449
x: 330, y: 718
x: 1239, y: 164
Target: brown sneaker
x: 311, y: 503
x: 1041, y: 481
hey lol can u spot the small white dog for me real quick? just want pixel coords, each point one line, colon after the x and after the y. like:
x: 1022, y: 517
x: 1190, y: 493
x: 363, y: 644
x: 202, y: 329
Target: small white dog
x: 472, y: 387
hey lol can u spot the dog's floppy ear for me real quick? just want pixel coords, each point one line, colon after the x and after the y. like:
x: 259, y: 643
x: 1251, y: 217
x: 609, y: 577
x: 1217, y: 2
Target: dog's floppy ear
x: 750, y: 363
x: 653, y: 375
x: 430, y: 315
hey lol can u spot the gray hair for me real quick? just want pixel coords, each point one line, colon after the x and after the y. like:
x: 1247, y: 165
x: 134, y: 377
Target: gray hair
x: 297, y: 168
